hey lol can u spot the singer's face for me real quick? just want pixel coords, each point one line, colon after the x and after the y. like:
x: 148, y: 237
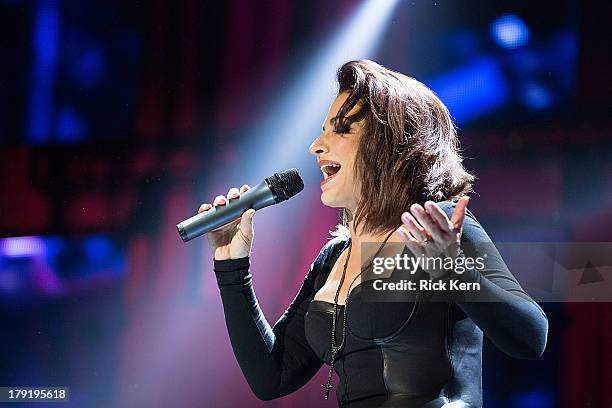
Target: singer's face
x: 336, y: 153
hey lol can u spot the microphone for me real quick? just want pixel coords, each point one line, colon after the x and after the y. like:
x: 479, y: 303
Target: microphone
x: 273, y: 190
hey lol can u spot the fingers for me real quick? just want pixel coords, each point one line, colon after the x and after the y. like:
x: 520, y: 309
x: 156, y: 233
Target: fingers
x: 406, y: 236
x: 232, y: 194
x: 246, y: 220
x: 219, y: 200
x: 413, y: 227
x: 438, y: 215
x: 246, y: 223
x: 432, y: 221
x: 459, y: 214
x: 412, y: 233
x: 205, y: 207
x: 415, y: 246
x: 427, y: 222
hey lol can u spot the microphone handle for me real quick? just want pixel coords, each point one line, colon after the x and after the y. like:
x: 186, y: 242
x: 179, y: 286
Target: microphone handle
x: 257, y: 197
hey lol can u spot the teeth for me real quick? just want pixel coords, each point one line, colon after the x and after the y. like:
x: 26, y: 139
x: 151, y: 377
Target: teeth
x: 323, y: 167
x: 326, y: 166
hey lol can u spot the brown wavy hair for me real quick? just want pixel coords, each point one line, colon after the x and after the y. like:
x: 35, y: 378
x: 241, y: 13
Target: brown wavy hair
x: 409, y: 150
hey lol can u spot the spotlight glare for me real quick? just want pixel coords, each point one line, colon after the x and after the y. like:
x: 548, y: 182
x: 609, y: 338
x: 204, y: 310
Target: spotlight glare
x: 510, y: 31
x: 22, y: 246
x: 295, y: 119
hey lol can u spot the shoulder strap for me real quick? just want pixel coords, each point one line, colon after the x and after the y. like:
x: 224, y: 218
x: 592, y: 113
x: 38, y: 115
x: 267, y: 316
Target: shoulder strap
x: 326, y: 258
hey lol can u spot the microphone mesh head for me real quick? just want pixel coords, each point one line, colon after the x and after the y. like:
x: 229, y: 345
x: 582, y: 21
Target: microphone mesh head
x: 285, y: 184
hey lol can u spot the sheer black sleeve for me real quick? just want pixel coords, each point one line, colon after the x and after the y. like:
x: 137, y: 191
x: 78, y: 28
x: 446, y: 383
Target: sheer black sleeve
x: 275, y: 361
x: 506, y: 314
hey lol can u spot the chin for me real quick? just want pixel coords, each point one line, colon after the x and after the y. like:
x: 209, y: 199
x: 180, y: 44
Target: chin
x: 327, y: 200
x: 330, y: 200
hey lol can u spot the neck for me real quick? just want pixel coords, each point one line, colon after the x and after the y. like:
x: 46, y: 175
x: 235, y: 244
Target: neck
x: 358, y: 235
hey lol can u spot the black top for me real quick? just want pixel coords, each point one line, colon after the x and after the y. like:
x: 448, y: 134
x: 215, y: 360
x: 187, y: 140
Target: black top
x: 396, y: 353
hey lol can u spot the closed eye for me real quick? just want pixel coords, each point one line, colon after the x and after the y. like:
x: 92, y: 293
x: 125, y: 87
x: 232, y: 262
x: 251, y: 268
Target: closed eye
x: 342, y: 130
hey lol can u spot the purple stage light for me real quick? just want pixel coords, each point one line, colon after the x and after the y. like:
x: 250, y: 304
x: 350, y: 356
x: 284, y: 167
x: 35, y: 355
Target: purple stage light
x: 22, y: 247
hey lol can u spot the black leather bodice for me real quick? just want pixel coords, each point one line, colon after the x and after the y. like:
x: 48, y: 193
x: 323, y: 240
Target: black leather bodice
x: 395, y: 353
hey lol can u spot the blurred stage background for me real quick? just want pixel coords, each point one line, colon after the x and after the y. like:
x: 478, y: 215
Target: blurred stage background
x: 118, y: 118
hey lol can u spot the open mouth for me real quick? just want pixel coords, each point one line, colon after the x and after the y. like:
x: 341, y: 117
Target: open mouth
x: 329, y: 169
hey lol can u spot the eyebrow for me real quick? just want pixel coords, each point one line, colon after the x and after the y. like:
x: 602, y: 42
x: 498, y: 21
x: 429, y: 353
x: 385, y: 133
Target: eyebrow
x: 332, y: 122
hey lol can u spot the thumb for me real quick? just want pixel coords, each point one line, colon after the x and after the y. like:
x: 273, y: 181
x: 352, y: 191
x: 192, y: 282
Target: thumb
x: 246, y: 222
x: 459, y: 213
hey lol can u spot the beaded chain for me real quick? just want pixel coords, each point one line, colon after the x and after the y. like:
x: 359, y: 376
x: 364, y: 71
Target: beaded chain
x: 335, y: 348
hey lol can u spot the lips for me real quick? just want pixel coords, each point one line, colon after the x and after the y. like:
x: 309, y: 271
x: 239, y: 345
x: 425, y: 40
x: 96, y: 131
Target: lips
x: 329, y: 169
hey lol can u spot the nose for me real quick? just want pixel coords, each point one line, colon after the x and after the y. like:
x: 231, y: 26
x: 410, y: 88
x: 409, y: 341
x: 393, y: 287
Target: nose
x: 318, y: 147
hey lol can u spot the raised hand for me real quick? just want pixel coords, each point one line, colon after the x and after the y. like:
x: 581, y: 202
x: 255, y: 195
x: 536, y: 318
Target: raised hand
x: 428, y: 231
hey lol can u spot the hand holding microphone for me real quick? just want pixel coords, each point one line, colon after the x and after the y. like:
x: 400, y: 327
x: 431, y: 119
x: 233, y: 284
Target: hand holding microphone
x: 229, y: 220
x: 232, y: 240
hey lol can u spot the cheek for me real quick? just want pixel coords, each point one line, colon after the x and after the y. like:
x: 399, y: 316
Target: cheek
x: 349, y: 150
x: 352, y: 168
x: 348, y: 154
x: 355, y: 184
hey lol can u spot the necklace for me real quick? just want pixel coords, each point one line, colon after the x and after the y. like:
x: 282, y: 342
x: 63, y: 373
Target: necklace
x: 335, y: 347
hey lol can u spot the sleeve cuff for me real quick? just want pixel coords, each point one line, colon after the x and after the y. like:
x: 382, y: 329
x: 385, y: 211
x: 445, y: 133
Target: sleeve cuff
x: 228, y: 265
x: 232, y: 271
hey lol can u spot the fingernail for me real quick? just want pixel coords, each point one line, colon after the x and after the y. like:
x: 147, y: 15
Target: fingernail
x: 405, y: 218
x: 401, y: 233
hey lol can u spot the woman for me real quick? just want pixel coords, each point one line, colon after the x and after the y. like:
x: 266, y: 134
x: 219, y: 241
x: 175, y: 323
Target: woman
x: 389, y: 156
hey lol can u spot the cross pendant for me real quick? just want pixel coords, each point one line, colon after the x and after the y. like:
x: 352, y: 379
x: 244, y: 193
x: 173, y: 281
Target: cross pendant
x: 328, y: 386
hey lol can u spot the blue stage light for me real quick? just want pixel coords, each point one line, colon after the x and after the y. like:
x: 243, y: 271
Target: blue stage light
x: 70, y: 125
x: 50, y: 261
x: 535, y: 399
x: 465, y: 44
x: 45, y: 49
x: 98, y: 248
x: 89, y: 67
x: 536, y: 96
x: 510, y: 31
x: 472, y: 90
